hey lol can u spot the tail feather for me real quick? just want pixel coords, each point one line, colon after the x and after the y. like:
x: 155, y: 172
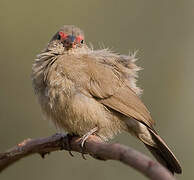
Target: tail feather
x: 163, y: 154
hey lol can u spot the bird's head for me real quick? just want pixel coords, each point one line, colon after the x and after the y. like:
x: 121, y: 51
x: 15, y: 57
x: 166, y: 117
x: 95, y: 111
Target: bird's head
x: 68, y: 37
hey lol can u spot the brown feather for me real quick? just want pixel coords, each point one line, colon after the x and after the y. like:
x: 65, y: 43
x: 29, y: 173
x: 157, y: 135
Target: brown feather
x: 163, y: 154
x: 127, y: 102
x: 107, y: 83
x: 81, y: 88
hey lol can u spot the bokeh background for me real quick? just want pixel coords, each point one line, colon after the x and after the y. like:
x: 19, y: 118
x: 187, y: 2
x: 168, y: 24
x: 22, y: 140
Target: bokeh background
x: 162, y: 31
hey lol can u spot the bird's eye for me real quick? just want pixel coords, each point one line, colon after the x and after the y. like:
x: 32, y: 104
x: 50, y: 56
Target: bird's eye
x: 79, y: 39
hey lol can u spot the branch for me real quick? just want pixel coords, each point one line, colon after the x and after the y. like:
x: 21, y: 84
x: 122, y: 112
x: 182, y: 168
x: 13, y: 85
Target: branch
x: 93, y: 146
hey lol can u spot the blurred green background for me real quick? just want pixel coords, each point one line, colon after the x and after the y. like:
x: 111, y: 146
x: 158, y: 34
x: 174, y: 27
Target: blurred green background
x: 162, y: 31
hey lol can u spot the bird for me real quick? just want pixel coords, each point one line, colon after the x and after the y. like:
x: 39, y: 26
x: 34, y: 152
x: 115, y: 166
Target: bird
x: 93, y: 92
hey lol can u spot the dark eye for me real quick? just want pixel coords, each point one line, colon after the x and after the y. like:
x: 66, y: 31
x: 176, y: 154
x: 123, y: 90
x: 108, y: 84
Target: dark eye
x: 82, y: 41
x: 58, y: 36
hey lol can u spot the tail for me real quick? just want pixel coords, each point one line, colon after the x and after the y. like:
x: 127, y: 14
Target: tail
x: 162, y: 153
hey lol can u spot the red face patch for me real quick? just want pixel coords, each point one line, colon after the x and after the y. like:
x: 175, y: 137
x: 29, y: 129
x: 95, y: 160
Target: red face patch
x: 79, y: 39
x: 62, y: 35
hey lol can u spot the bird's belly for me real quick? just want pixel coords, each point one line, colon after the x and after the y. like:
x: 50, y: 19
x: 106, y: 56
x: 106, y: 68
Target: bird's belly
x: 79, y: 114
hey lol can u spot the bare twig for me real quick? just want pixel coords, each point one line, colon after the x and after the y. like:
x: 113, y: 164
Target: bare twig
x: 94, y: 147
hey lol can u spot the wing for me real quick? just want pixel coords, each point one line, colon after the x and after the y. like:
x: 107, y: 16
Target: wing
x: 109, y: 85
x: 128, y: 103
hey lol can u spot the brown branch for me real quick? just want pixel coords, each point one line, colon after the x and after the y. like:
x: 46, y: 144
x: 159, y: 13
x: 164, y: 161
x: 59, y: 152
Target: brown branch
x: 94, y: 147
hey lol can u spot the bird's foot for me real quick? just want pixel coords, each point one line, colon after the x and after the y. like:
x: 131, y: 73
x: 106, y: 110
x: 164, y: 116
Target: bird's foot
x: 66, y: 143
x: 85, y: 137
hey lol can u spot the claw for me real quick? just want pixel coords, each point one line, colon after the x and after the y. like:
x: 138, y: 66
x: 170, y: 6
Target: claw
x: 84, y: 138
x: 67, y: 143
x: 70, y: 153
x: 83, y: 156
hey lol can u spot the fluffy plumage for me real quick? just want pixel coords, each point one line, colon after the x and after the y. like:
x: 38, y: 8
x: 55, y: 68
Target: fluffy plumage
x: 81, y: 88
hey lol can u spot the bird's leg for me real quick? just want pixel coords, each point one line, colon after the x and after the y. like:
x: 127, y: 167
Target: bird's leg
x: 85, y: 137
x: 67, y: 143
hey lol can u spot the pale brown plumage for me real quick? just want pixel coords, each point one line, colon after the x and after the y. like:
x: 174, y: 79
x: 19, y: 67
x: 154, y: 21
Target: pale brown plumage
x: 80, y: 88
